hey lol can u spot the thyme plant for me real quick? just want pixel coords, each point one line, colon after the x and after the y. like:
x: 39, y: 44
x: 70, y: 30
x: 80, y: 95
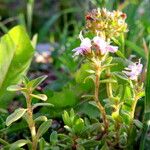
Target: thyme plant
x: 100, y: 43
x: 27, y: 88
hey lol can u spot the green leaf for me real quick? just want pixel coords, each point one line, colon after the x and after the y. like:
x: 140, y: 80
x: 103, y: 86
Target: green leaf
x: 42, y: 144
x: 17, y: 114
x: 108, y: 81
x: 138, y: 123
x: 42, y: 97
x: 109, y: 65
x: 34, y: 40
x: 54, y: 137
x: 92, y: 77
x: 135, y: 48
x: 146, y: 123
x: 18, y: 144
x: 35, y: 82
x: 121, y: 76
x: 41, y: 118
x: 93, y: 103
x: 88, y: 96
x: 108, y: 60
x: 78, y: 126
x: 43, y: 128
x: 42, y: 104
x: 17, y: 48
x: 14, y: 88
x: 105, y: 147
x: 90, y: 71
x: 81, y: 74
x: 66, y: 119
x: 63, y: 99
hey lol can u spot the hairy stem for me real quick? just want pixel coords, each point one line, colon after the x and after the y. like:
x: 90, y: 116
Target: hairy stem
x: 31, y: 123
x: 96, y: 98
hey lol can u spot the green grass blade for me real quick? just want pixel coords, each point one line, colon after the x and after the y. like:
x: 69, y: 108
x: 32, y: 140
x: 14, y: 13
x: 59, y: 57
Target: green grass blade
x: 147, y: 108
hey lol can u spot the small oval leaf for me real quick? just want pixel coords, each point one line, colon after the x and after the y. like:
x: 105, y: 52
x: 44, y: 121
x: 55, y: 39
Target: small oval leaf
x: 41, y: 118
x: 43, y: 128
x: 42, y: 97
x: 17, y: 114
x: 19, y: 144
x: 42, y: 104
x: 14, y: 88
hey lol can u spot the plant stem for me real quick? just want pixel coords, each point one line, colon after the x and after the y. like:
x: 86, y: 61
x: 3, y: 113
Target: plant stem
x: 31, y: 123
x: 133, y: 108
x: 108, y: 85
x: 96, y: 98
x: 3, y: 142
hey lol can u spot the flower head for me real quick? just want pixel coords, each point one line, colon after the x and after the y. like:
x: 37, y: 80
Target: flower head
x: 134, y: 70
x: 84, y: 47
x: 104, y: 46
x: 109, y: 24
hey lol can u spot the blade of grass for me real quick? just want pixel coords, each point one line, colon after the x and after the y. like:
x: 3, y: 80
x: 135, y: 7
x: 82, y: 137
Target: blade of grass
x: 46, y: 27
x: 30, y: 6
x: 135, y: 48
x: 147, y: 108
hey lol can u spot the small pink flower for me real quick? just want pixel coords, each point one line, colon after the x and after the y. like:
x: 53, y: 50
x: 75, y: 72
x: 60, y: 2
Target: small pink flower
x: 104, y: 46
x: 85, y: 46
x: 134, y: 70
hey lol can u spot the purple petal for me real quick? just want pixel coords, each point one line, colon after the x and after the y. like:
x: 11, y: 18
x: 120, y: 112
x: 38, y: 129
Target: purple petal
x: 112, y: 49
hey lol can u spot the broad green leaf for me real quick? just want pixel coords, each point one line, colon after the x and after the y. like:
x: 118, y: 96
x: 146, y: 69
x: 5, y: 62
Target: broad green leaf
x: 42, y: 97
x: 16, y: 53
x: 17, y: 114
x: 64, y: 98
x: 43, y: 128
x: 42, y: 104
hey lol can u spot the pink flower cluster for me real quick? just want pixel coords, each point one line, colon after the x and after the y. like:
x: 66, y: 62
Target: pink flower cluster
x: 98, y: 41
x: 134, y: 70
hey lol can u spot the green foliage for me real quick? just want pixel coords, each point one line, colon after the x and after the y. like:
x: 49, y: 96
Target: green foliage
x: 16, y: 46
x: 27, y: 88
x: 18, y: 113
x: 146, y: 120
x: 43, y: 128
x: 73, y: 123
x: 75, y: 84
